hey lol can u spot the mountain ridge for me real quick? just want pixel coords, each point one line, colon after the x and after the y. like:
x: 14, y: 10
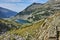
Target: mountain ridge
x: 6, y: 13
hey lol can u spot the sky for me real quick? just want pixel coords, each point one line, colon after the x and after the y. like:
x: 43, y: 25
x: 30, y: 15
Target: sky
x: 18, y: 5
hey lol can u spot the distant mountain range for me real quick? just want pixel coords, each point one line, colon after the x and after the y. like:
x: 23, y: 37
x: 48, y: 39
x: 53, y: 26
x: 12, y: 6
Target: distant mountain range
x: 6, y: 13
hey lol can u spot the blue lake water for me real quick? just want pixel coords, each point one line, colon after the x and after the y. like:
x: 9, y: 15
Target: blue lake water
x: 22, y: 21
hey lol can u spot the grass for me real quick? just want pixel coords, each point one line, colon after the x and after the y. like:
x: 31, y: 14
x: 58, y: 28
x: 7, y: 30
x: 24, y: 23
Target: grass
x: 10, y: 22
x: 31, y: 29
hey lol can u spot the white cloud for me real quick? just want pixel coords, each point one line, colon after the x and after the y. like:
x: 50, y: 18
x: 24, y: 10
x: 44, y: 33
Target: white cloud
x: 19, y: 0
x: 32, y: 0
x: 35, y: 1
x: 22, y: 0
x: 15, y: 7
x: 10, y: 0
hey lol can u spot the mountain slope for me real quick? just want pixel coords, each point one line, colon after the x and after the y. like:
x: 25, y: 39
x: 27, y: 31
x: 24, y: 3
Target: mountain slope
x: 34, y: 10
x: 6, y: 13
x: 31, y: 8
x: 37, y: 11
x: 26, y: 12
x: 35, y: 31
x: 6, y: 25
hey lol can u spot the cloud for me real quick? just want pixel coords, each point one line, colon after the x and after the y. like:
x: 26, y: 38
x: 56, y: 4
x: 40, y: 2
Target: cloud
x: 17, y: 0
x: 10, y: 0
x: 21, y: 1
x: 18, y: 5
x: 38, y: 1
x: 15, y: 7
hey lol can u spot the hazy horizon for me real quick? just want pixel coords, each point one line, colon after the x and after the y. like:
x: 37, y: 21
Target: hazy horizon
x: 18, y: 5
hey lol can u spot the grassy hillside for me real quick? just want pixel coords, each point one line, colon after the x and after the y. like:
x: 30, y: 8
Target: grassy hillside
x: 6, y: 25
x: 34, y: 30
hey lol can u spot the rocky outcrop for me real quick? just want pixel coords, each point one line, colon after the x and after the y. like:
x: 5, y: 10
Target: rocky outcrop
x: 53, y: 1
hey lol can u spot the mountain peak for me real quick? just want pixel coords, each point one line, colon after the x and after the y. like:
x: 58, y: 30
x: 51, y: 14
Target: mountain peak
x: 36, y: 3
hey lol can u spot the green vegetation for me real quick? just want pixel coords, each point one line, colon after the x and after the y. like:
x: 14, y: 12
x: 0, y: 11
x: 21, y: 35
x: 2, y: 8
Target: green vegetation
x: 30, y: 31
x: 6, y: 25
